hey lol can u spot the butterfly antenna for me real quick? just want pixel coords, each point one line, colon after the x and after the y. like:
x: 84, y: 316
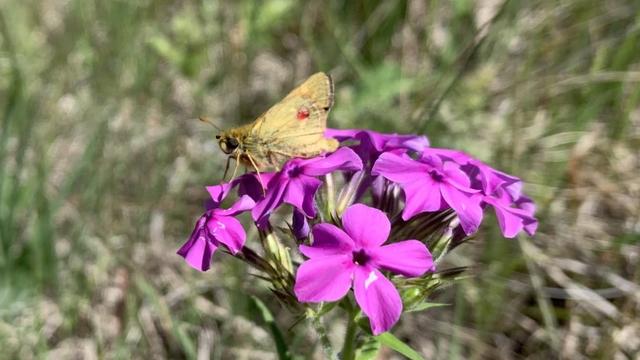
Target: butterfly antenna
x: 210, y: 122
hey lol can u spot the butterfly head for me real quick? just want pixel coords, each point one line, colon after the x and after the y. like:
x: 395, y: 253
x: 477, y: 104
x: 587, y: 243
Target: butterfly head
x: 228, y: 144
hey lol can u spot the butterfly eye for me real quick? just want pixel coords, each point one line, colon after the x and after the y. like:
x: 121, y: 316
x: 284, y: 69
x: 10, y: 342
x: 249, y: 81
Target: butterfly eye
x: 303, y: 113
x: 228, y: 145
x: 232, y: 143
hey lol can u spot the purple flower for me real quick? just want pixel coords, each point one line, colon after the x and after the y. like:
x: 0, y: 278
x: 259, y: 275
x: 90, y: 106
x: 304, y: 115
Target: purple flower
x: 252, y: 185
x: 503, y: 193
x: 370, y: 144
x: 525, y: 203
x: 353, y: 257
x: 296, y: 184
x: 215, y: 227
x: 499, y: 190
x: 511, y: 219
x: 429, y: 184
x: 482, y: 176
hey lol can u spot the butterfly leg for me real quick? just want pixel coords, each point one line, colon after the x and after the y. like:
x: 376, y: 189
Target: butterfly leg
x: 253, y: 163
x: 226, y: 169
x: 235, y: 169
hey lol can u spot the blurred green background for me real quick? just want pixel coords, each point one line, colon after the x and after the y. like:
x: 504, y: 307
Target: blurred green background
x: 102, y: 165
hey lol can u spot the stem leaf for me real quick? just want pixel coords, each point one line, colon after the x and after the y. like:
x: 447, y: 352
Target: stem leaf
x: 398, y: 345
x: 424, y: 306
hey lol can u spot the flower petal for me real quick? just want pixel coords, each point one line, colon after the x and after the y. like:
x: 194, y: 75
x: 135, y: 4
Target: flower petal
x: 272, y: 199
x: 511, y: 184
x: 367, y: 226
x: 341, y: 134
x: 219, y: 192
x: 243, y: 204
x: 487, y: 176
x: 510, y: 223
x: 530, y: 226
x: 301, y: 192
x: 378, y: 298
x: 324, y: 279
x: 434, y: 161
x: 456, y: 176
x: 372, y: 141
x: 526, y: 204
x: 511, y: 220
x: 227, y: 230
x: 421, y: 196
x: 398, y: 168
x: 197, y: 251
x: 328, y: 240
x: 529, y: 207
x: 411, y: 142
x: 451, y: 155
x: 467, y: 207
x: 409, y: 258
x: 343, y: 159
x: 249, y: 184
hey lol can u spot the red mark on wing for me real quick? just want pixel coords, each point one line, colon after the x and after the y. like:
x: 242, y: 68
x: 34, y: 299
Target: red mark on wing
x: 303, y: 113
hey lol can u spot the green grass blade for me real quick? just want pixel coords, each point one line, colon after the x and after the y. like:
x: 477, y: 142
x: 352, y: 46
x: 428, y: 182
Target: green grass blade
x: 278, y: 338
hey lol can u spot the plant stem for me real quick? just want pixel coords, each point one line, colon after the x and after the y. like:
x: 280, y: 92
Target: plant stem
x: 322, y: 333
x: 348, y: 348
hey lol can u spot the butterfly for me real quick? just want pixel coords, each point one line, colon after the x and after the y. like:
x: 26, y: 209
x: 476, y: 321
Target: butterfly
x: 294, y: 127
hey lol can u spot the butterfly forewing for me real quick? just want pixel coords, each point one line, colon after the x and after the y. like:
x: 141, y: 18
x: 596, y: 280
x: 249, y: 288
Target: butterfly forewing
x: 318, y: 87
x: 295, y: 126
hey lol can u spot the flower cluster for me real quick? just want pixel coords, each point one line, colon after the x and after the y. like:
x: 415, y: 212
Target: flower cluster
x: 374, y: 216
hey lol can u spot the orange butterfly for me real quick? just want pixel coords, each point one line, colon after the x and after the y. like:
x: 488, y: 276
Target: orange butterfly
x: 294, y: 127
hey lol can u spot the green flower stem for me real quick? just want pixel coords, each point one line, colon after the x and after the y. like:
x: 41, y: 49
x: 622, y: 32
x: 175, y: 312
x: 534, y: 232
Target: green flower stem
x: 349, y: 348
x: 322, y: 333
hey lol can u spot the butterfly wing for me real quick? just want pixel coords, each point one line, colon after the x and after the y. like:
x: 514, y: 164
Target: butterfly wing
x: 318, y: 87
x: 295, y: 126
